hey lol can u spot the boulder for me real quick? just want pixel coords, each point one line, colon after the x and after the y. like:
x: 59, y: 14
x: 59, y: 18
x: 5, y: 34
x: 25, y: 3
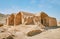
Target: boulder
x: 33, y: 32
x: 9, y: 37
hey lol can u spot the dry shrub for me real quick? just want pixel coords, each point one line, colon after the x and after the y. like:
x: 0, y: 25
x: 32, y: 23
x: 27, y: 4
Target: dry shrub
x: 33, y: 32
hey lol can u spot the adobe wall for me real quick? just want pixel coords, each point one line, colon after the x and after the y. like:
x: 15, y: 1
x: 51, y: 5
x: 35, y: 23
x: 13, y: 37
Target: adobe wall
x: 52, y: 21
x: 37, y: 19
x: 29, y: 21
x: 44, y: 19
x: 10, y: 20
x: 21, y: 18
x: 18, y: 19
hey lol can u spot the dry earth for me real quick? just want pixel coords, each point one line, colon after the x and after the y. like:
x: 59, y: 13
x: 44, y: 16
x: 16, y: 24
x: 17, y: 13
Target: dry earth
x: 20, y: 32
x: 52, y: 33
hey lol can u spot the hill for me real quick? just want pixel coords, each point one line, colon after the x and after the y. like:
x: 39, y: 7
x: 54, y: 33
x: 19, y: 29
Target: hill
x: 2, y: 18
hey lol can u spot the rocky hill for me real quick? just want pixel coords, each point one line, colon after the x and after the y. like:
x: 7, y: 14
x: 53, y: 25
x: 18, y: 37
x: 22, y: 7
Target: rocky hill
x: 2, y: 18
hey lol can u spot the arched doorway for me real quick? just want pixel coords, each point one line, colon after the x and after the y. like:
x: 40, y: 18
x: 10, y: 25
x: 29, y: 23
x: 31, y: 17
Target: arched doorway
x: 44, y: 19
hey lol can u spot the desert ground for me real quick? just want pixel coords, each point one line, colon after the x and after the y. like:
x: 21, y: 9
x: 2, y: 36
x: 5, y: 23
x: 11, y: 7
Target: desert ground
x: 20, y: 32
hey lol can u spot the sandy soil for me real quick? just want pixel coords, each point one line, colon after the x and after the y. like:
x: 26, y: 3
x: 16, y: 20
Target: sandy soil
x: 48, y: 34
x: 20, y: 32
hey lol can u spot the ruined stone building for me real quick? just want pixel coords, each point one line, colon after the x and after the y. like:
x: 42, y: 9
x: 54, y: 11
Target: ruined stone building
x: 26, y: 18
x: 20, y: 18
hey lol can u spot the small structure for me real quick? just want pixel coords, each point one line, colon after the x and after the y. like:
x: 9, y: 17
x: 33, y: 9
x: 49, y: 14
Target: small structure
x: 47, y: 20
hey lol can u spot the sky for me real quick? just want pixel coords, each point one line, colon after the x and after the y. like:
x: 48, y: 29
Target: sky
x: 50, y: 7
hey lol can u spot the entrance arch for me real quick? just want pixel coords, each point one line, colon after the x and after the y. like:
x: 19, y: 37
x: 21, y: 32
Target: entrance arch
x: 44, y: 19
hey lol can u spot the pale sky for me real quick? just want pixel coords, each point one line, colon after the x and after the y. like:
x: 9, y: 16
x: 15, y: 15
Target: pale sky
x: 50, y: 7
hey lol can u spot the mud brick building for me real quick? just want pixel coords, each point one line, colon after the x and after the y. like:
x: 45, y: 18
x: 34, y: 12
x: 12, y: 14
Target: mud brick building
x: 27, y: 18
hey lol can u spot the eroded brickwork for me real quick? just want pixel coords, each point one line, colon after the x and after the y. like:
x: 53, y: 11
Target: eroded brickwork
x: 28, y: 19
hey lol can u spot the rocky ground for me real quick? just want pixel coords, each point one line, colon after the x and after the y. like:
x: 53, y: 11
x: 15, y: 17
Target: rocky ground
x: 20, y: 32
x: 51, y: 33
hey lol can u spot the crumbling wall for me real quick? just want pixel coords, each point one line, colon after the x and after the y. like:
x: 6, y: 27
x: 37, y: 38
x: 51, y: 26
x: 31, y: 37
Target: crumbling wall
x: 36, y: 19
x: 10, y: 20
x: 44, y: 19
x: 18, y: 19
x: 52, y: 21
x: 29, y: 21
x: 25, y: 18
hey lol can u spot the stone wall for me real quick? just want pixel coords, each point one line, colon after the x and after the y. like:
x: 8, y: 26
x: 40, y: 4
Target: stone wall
x: 52, y: 21
x: 10, y: 20
x: 29, y: 19
x: 44, y: 19
x: 37, y: 20
x: 18, y: 19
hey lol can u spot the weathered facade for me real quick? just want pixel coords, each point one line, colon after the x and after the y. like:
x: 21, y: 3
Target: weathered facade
x: 47, y: 20
x: 52, y: 21
x: 26, y: 18
x: 10, y: 20
x: 44, y: 19
x: 20, y: 18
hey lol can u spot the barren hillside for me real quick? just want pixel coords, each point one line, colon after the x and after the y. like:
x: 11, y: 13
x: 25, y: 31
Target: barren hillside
x: 3, y: 18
